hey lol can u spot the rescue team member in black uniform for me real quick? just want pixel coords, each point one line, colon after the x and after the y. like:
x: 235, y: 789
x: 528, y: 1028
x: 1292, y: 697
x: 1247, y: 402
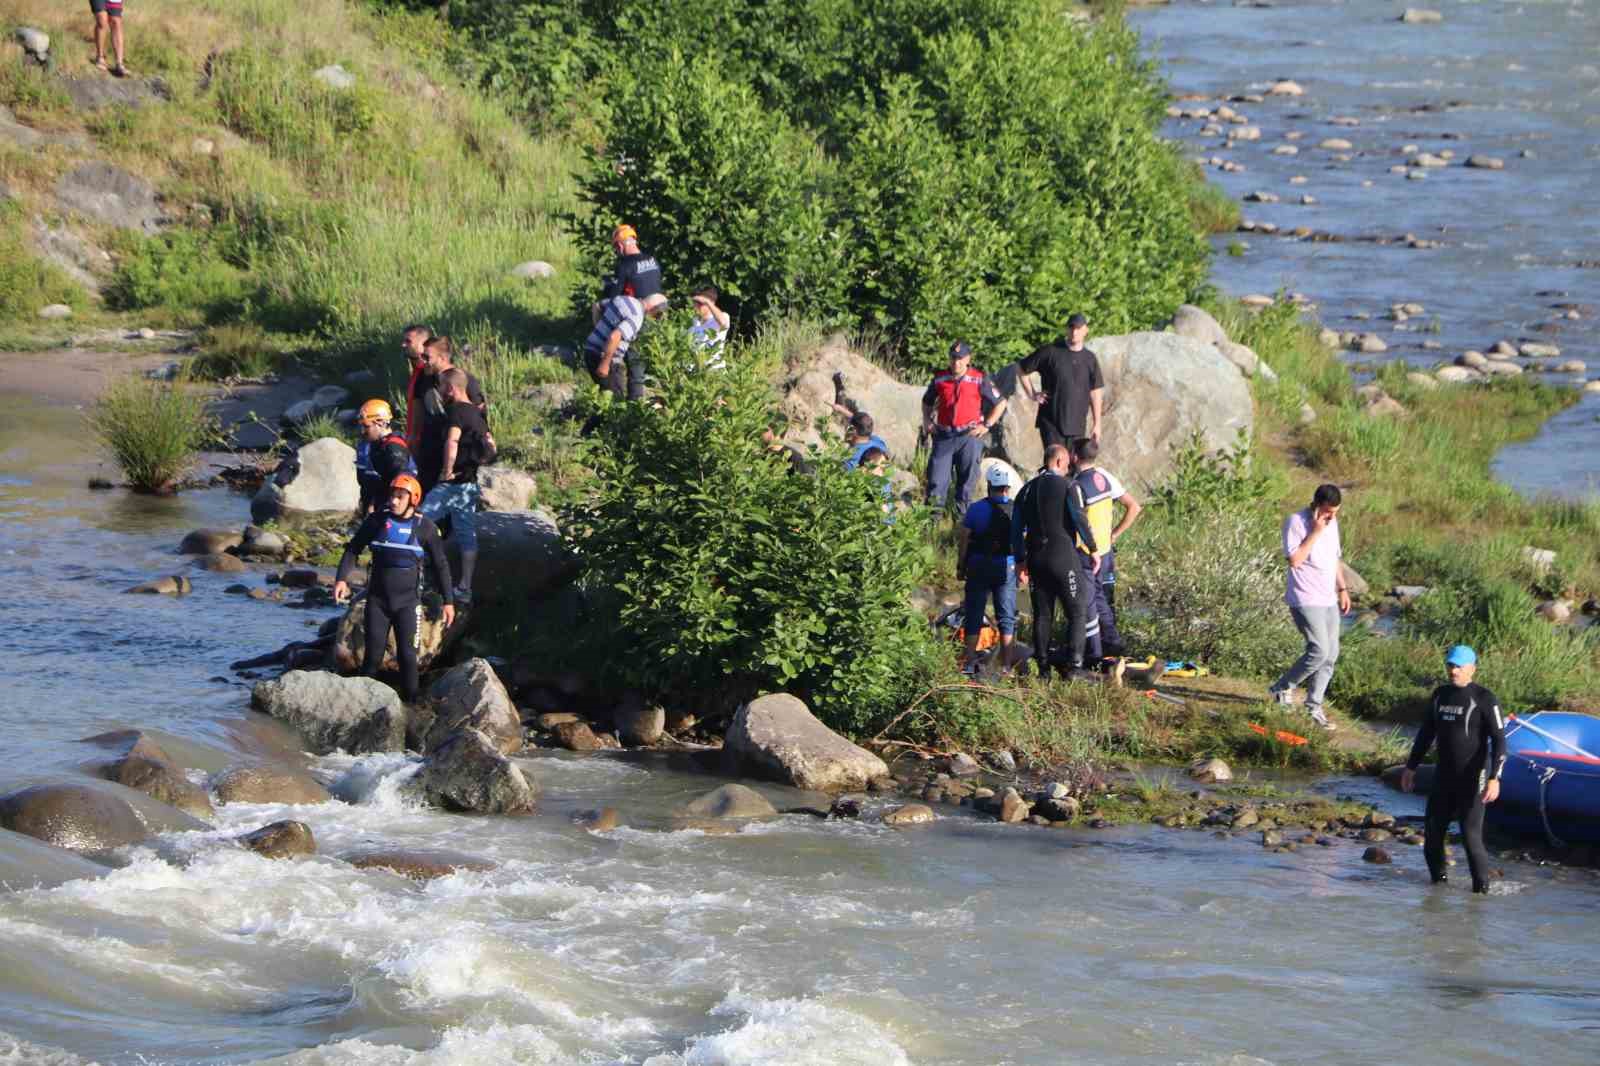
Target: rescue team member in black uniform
x: 635, y: 274
x: 1046, y: 525
x: 399, y: 538
x: 381, y: 456
x: 1465, y: 719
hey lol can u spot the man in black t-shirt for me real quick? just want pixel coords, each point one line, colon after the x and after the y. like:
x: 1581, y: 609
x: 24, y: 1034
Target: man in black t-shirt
x: 438, y: 356
x: 1071, y: 386
x: 1464, y: 717
x: 467, y: 444
x: 635, y: 274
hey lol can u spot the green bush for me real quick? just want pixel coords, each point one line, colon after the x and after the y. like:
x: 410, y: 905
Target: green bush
x: 28, y: 283
x: 726, y: 572
x: 182, y: 271
x: 154, y: 431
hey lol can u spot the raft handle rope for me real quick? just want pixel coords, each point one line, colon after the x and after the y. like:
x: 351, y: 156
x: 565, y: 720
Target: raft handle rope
x: 1548, y: 775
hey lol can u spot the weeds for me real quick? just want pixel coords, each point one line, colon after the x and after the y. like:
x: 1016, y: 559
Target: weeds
x: 154, y: 431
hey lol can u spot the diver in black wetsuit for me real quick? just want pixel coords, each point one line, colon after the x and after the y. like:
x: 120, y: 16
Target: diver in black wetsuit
x: 1465, y: 719
x: 399, y: 538
x: 1047, y: 522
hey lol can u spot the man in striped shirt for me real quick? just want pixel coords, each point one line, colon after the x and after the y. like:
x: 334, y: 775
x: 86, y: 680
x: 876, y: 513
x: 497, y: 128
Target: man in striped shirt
x: 606, y: 351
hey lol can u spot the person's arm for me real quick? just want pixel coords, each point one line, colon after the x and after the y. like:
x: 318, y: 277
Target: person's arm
x: 722, y: 317
x: 1025, y: 371
x: 997, y: 411
x: 1019, y: 526
x: 930, y: 404
x: 613, y: 342
x: 963, y: 537
x: 428, y: 537
x: 1419, y: 748
x: 1080, y: 522
x: 1131, y: 510
x: 365, y: 532
x: 452, y: 445
x: 1096, y: 400
x: 1497, y: 749
x: 413, y: 428
x: 1298, y: 551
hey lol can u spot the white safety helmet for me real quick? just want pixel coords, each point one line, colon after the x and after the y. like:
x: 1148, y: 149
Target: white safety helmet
x: 1000, y: 477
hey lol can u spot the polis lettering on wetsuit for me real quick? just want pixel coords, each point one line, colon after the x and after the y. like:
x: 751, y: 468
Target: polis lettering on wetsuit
x: 1465, y: 722
x: 1047, y: 524
x: 394, y: 586
x: 637, y: 275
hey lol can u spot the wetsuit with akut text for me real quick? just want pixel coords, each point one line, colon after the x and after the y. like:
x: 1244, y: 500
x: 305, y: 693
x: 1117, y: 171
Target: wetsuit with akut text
x: 1047, y: 524
x: 1465, y: 722
x: 394, y: 586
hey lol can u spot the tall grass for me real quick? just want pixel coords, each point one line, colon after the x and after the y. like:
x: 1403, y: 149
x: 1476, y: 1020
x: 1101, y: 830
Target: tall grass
x: 154, y: 431
x: 26, y: 283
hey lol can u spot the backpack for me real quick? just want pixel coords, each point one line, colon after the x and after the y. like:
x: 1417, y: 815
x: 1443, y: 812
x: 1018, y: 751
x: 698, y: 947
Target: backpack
x: 995, y: 540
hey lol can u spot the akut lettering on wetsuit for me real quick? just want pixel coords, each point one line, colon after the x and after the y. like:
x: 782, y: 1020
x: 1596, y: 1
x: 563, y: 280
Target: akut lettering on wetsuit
x: 1466, y: 723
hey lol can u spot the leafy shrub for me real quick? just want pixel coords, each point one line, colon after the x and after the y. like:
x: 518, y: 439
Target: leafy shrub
x: 28, y: 283
x: 725, y: 572
x: 153, y: 430
x: 182, y: 271
x: 1203, y: 481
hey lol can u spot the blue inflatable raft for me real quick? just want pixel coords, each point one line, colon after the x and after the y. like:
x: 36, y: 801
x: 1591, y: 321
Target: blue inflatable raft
x: 1551, y: 782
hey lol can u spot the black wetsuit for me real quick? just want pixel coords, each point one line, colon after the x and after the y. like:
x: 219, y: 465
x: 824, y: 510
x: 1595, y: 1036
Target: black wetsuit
x: 1472, y: 751
x: 378, y: 463
x: 1046, y: 524
x: 394, y: 587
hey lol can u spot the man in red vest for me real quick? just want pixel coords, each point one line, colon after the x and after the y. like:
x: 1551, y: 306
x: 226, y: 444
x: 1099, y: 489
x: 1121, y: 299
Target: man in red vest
x: 952, y: 414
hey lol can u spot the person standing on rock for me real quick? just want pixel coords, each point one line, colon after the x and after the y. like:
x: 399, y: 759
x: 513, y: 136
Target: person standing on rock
x: 1047, y: 525
x: 412, y: 340
x: 399, y: 538
x: 381, y: 456
x: 438, y: 359
x: 1317, y: 598
x: 1071, y: 387
x: 1464, y: 718
x: 635, y: 274
x: 952, y: 414
x: 1101, y: 492
x: 468, y: 444
x: 108, y: 23
x: 985, y: 563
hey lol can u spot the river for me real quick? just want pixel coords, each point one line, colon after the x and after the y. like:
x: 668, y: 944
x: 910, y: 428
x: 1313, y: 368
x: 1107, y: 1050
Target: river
x: 800, y: 942
x: 1517, y: 247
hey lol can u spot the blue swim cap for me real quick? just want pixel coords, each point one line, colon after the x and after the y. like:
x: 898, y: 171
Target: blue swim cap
x: 1460, y: 655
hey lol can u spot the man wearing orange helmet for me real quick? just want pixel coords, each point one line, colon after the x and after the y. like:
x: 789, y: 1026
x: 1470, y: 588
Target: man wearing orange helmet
x: 381, y: 455
x: 636, y: 274
x: 399, y: 537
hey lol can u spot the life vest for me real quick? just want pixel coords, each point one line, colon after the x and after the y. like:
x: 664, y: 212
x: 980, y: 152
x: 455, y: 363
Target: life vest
x: 364, y: 464
x: 1099, y: 491
x: 397, y: 547
x: 959, y: 399
x: 995, y: 540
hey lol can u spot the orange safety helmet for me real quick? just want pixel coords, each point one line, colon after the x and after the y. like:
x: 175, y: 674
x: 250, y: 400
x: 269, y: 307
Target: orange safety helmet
x: 375, y: 411
x: 411, y: 485
x: 624, y: 232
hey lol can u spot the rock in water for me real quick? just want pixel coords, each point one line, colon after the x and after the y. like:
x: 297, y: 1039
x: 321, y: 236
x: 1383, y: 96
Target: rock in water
x: 140, y: 764
x: 268, y: 784
x: 331, y: 713
x: 434, y: 639
x: 220, y: 563
x: 319, y: 478
x: 1210, y: 770
x: 1420, y: 15
x: 419, y: 864
x: 210, y: 542
x: 29, y: 863
x: 467, y: 773
x: 910, y: 814
x: 1013, y: 808
x: 1377, y: 855
x: 731, y: 801
x: 577, y: 736
x: 776, y: 736
x: 471, y: 696
x: 281, y: 840
x: 638, y: 722
x: 79, y: 818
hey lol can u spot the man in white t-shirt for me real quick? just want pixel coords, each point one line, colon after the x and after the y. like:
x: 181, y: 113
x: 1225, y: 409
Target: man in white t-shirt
x: 1317, y: 597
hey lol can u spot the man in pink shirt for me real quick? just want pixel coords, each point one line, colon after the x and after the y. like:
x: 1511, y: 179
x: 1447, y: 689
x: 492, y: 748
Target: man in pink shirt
x: 1316, y: 596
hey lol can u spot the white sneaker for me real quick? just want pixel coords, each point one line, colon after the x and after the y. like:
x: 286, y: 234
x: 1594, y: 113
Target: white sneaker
x: 1319, y: 717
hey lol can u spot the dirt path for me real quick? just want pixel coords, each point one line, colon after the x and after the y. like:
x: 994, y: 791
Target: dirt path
x: 72, y: 376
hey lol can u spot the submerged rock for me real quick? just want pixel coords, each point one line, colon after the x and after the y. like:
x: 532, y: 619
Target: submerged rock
x: 268, y: 784
x: 80, y: 818
x: 910, y: 814
x: 281, y: 840
x: 139, y: 763
x: 776, y: 736
x: 176, y: 585
x: 731, y: 801
x: 210, y: 542
x: 419, y: 864
x: 332, y: 713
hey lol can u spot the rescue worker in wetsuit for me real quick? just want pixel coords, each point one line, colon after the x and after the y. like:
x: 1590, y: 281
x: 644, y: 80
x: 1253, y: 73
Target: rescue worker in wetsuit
x: 1464, y: 718
x: 1047, y: 525
x: 399, y: 538
x: 381, y: 456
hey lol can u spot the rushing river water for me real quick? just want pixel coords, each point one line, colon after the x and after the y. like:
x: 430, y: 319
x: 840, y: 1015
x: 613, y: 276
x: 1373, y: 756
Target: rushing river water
x: 1517, y: 81
x: 797, y: 941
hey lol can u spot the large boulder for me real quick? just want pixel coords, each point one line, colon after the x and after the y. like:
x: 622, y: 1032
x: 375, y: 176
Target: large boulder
x: 505, y: 488
x: 777, y: 737
x: 467, y: 773
x: 268, y: 784
x: 1197, y: 324
x: 320, y: 477
x: 348, y: 651
x: 807, y: 395
x: 333, y: 713
x: 80, y: 818
x: 111, y: 196
x: 471, y: 696
x: 520, y: 555
x: 136, y: 761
